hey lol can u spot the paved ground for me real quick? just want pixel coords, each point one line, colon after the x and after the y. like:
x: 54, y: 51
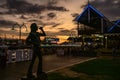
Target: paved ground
x: 14, y: 71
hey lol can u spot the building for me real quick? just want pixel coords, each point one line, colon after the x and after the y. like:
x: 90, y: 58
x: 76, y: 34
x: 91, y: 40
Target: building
x: 92, y: 22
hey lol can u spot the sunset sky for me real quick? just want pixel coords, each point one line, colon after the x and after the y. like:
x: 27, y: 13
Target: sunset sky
x: 55, y: 15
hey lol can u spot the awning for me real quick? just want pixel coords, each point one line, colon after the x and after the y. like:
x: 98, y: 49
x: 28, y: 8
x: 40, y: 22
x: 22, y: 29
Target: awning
x: 94, y: 19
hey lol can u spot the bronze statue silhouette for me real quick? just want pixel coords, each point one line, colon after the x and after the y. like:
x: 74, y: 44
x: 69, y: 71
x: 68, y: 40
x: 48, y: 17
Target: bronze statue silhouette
x: 34, y: 40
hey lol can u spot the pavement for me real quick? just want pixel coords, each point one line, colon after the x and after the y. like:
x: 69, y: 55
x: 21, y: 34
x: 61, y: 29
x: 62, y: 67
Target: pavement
x: 14, y: 71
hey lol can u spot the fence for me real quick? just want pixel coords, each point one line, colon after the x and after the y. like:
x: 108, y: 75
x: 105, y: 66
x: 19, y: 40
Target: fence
x: 18, y: 55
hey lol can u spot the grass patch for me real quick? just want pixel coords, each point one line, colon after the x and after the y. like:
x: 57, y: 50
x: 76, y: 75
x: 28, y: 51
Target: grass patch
x: 104, y: 69
x: 99, y: 69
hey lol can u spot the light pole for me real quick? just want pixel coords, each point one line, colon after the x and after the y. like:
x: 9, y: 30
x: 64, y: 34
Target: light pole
x: 106, y: 41
x: 20, y: 26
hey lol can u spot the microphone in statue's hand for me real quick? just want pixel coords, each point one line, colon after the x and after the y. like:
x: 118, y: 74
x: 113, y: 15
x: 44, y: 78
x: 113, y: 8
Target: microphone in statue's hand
x: 41, y: 28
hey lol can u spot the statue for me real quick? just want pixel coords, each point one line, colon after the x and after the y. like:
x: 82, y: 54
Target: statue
x: 34, y: 40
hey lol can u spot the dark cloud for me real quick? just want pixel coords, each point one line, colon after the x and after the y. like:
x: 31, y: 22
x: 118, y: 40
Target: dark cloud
x: 55, y: 25
x: 51, y: 15
x: 56, y: 8
x: 12, y: 4
x: 2, y: 13
x: 52, y: 24
x: 110, y: 8
x: 23, y: 17
x: 6, y: 23
x: 33, y: 20
x: 41, y: 17
x: 75, y: 14
x: 51, y: 6
x: 37, y: 21
x: 60, y: 28
x: 52, y: 2
x: 64, y: 31
x: 22, y: 6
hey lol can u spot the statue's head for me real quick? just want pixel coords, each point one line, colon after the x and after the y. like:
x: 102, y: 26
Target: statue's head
x: 34, y: 27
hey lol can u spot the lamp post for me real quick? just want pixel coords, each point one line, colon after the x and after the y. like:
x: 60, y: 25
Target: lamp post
x: 106, y: 41
x: 20, y: 27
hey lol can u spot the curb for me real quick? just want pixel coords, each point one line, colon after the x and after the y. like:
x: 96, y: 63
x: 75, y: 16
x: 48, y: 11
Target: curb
x: 70, y: 65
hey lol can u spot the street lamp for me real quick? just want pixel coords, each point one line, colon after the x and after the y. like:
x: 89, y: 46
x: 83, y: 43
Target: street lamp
x: 106, y: 41
x: 20, y: 26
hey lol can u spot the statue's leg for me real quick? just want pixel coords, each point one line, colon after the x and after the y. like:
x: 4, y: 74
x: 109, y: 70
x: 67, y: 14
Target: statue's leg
x: 29, y: 73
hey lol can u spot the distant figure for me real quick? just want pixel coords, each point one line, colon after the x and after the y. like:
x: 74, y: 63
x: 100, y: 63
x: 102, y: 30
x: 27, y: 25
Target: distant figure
x: 34, y: 40
x: 3, y: 55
